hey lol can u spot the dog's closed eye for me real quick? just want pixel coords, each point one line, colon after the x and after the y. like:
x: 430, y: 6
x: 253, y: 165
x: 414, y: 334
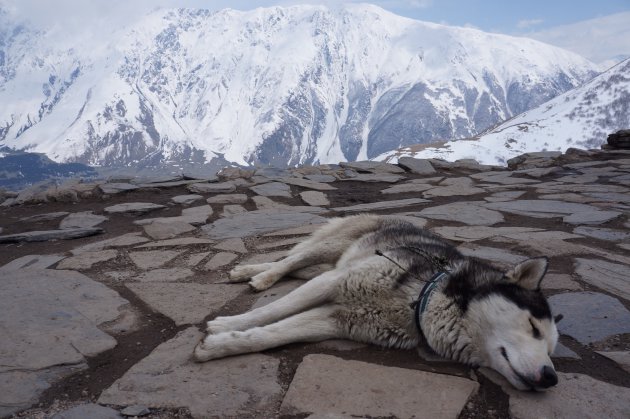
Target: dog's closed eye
x: 535, y: 330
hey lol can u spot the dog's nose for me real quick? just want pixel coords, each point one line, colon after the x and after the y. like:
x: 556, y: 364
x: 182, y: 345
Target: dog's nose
x: 548, y: 377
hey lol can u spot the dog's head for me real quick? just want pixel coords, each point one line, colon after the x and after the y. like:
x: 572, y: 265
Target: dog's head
x: 516, y: 332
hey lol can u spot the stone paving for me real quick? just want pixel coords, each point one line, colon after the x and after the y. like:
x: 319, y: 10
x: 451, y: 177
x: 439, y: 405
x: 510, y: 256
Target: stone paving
x: 104, y: 299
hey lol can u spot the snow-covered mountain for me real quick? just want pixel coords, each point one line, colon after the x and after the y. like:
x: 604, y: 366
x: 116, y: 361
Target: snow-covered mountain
x: 292, y: 85
x: 582, y: 118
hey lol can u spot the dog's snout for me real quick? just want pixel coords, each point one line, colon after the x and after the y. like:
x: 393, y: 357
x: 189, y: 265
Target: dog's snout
x: 548, y: 377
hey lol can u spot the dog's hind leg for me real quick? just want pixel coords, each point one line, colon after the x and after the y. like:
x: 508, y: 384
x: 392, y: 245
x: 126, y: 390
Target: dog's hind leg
x: 310, y: 326
x: 318, y: 291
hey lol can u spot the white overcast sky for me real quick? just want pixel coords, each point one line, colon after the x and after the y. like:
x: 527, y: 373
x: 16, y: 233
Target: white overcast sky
x: 598, y: 30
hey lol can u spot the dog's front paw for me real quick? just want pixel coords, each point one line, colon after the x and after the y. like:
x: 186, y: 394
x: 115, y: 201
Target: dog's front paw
x: 207, y: 349
x: 220, y: 325
x: 263, y: 281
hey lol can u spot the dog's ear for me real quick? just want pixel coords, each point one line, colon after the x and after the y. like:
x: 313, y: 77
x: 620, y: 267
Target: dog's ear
x: 529, y: 273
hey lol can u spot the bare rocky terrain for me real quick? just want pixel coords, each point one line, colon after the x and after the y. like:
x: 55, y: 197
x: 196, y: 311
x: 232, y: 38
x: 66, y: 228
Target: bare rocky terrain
x: 105, y: 289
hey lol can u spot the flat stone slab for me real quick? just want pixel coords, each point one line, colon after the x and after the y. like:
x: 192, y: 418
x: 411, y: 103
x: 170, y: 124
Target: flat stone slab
x: 186, y: 199
x: 161, y: 229
x: 168, y: 378
x: 51, y: 317
x: 219, y: 260
x: 272, y: 189
x: 87, y: 260
x: 612, y: 277
x: 499, y: 257
x: 417, y: 166
x: 85, y: 219
x: 227, y: 199
x: 600, y: 233
x: 542, y: 208
x: 153, y: 259
x: 504, y: 196
x: 184, y: 241
x: 591, y: 218
x: 133, y: 207
x: 382, y: 205
x: 223, y: 187
x: 128, y: 239
x: 622, y: 358
x: 315, y: 198
x: 560, y: 282
x: 464, y: 212
x: 410, y: 187
x: 474, y: 233
x: 114, y: 188
x: 46, y: 235
x: 165, y: 275
x: 186, y: 303
x: 326, y: 384
x: 45, y: 217
x: 230, y: 210
x: 458, y: 186
x: 605, y: 316
x: 31, y: 262
x: 309, y: 184
x: 575, y: 396
x: 280, y: 243
x: 375, y: 178
x: 193, y: 215
x: 91, y: 411
x: 371, y: 167
x: 259, y: 222
x: 232, y: 245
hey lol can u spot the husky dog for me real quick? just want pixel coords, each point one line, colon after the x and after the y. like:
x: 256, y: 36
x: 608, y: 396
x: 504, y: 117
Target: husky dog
x: 382, y: 280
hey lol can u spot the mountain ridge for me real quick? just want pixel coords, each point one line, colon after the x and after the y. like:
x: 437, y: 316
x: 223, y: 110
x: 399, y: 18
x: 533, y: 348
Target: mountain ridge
x: 280, y: 86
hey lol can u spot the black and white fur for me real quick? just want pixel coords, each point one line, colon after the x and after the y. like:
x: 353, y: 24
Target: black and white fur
x: 479, y: 315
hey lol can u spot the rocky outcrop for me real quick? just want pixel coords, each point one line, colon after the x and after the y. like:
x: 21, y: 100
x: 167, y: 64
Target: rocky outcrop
x: 619, y: 139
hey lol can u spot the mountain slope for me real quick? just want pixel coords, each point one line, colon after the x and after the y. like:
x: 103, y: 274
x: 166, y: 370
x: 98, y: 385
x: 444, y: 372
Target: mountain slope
x: 291, y: 85
x: 582, y: 117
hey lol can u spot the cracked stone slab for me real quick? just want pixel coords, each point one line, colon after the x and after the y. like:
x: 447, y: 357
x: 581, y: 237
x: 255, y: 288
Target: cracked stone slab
x: 315, y: 198
x: 52, y: 318
x: 541, y: 208
x: 264, y: 203
x: 161, y: 229
x: 382, y: 205
x: 612, y: 277
x: 165, y: 275
x: 473, y: 233
x: 272, y: 189
x: 153, y: 259
x: 471, y: 213
x: 87, y: 259
x: 499, y: 257
x: 85, y: 219
x: 325, y: 384
x: 168, y: 378
x: 575, y: 396
x: 186, y: 303
x: 128, y: 239
x: 259, y: 222
x: 227, y: 199
x: 133, y: 207
x: 605, y: 316
x: 46, y: 235
x: 194, y: 215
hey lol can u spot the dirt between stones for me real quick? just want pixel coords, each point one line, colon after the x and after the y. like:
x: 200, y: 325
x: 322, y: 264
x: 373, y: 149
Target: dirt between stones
x: 154, y: 328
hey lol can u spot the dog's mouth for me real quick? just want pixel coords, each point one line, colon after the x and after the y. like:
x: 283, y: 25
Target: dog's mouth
x: 529, y: 384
